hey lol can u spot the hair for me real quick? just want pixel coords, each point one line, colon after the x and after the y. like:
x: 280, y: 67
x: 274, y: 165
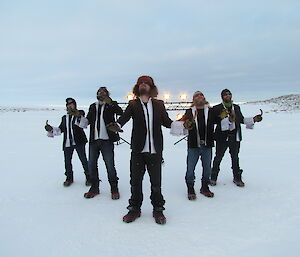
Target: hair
x: 105, y: 89
x: 153, y: 89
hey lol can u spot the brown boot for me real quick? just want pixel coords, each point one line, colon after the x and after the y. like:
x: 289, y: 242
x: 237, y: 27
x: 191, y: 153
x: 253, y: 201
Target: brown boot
x: 131, y: 216
x: 205, y: 190
x: 69, y: 179
x: 237, y: 178
x: 191, y: 191
x: 159, y: 217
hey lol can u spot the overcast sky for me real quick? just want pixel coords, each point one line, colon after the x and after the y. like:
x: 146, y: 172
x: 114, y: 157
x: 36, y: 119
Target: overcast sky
x: 50, y: 50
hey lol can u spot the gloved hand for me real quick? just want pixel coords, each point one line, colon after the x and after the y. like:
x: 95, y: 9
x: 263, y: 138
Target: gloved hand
x: 108, y: 100
x: 223, y: 114
x: 258, y: 117
x: 114, y: 127
x: 188, y: 124
x: 48, y: 127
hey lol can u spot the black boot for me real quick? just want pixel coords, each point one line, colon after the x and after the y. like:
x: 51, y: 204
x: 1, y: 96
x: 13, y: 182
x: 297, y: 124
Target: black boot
x: 191, y: 191
x: 114, y: 191
x: 69, y: 179
x: 205, y: 190
x: 87, y: 179
x: 237, y: 178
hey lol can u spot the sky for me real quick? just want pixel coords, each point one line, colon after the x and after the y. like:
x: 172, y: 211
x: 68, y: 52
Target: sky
x: 50, y: 50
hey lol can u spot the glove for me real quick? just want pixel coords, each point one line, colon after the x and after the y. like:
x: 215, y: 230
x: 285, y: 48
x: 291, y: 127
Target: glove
x: 188, y: 124
x: 108, y: 100
x: 257, y: 118
x: 48, y: 127
x: 114, y: 127
x: 223, y: 114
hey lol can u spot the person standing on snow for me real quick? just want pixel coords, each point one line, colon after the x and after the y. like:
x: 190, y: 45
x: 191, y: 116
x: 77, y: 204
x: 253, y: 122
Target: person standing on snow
x: 199, y: 122
x: 100, y: 115
x: 228, y: 134
x: 148, y: 115
x: 74, y: 139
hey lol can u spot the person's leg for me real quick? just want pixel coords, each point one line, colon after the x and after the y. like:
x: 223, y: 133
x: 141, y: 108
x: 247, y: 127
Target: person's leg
x: 108, y: 155
x: 191, y: 162
x: 153, y: 162
x: 137, y: 171
x: 206, y: 155
x: 221, y: 147
x: 234, y: 149
x: 94, y: 152
x: 68, y: 154
x: 80, y: 149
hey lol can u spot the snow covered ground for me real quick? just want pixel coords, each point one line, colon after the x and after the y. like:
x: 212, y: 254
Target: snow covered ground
x: 39, y: 217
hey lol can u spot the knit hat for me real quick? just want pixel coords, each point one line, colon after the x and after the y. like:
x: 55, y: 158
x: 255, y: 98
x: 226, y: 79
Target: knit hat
x: 146, y: 79
x: 70, y: 100
x: 224, y: 92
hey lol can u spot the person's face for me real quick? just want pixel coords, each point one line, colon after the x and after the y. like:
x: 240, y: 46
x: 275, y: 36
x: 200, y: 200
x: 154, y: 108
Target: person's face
x: 71, y: 106
x: 144, y: 88
x: 227, y: 97
x: 199, y: 98
x: 102, y: 92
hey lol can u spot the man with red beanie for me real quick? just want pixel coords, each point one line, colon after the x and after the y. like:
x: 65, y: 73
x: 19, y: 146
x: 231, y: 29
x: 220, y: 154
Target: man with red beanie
x: 148, y: 115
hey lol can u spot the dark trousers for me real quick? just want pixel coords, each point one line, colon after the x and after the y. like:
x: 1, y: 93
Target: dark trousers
x: 221, y: 147
x: 68, y: 153
x: 192, y: 159
x: 106, y: 147
x: 139, y: 162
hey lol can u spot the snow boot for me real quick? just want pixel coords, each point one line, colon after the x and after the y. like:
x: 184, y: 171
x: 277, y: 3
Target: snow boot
x: 69, y: 179
x: 237, y: 178
x: 94, y: 190
x: 115, y: 195
x: 159, y: 217
x: 131, y: 216
x: 205, y: 190
x: 191, y: 191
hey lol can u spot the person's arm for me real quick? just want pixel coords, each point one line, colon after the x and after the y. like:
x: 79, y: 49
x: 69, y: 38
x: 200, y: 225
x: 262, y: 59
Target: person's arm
x: 116, y: 108
x: 248, y: 121
x: 125, y: 117
x: 85, y: 121
x: 166, y: 121
x: 54, y: 131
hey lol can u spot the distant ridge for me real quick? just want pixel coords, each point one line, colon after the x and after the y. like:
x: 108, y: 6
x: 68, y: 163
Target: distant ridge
x: 282, y: 103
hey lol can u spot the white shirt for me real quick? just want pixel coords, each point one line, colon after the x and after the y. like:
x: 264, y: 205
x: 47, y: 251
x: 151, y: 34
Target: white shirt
x: 149, y: 127
x: 103, y: 131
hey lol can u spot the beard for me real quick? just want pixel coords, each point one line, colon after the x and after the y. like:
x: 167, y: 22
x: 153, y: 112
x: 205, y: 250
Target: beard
x: 143, y: 91
x: 200, y: 102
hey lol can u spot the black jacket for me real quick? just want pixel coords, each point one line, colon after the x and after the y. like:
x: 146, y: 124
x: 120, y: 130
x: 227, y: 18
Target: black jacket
x: 220, y: 135
x: 193, y: 133
x: 135, y: 111
x: 108, y: 117
x: 79, y: 135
